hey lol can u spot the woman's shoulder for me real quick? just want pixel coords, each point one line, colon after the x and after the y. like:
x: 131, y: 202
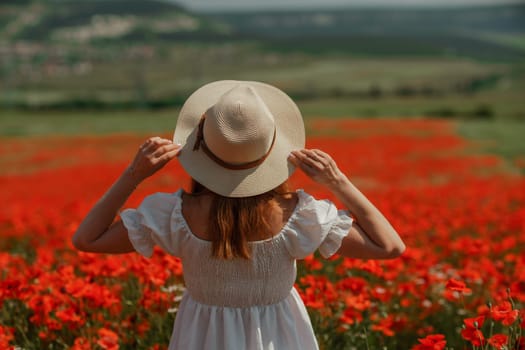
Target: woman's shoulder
x: 161, y: 200
x: 310, y: 209
x: 307, y: 201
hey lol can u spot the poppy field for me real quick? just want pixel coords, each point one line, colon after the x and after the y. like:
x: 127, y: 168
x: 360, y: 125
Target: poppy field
x: 459, y: 285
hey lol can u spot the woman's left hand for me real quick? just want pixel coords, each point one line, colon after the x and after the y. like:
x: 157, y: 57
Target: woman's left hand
x: 151, y: 157
x: 319, y: 166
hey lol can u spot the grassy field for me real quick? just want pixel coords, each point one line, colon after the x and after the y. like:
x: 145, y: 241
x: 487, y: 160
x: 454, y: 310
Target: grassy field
x: 502, y: 137
x: 485, y: 99
x: 436, y: 86
x: 183, y: 72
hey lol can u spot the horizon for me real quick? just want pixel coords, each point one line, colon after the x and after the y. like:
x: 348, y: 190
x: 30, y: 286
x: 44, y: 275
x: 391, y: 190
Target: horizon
x: 278, y: 5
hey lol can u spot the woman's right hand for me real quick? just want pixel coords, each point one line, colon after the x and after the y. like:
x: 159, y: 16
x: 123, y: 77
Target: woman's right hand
x: 319, y: 166
x: 152, y: 155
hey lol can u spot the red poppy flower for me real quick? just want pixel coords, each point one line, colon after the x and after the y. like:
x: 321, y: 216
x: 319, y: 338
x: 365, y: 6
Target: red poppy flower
x: 81, y: 343
x: 312, y: 263
x: 498, y: 341
x: 6, y: 335
x: 385, y: 326
x: 472, y: 332
x: 457, y: 286
x: 431, y: 342
x: 504, y: 313
x: 70, y: 317
x: 107, y: 339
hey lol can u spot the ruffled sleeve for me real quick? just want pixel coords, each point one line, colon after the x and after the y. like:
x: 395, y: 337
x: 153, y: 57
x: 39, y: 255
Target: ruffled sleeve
x: 152, y: 223
x: 315, y: 224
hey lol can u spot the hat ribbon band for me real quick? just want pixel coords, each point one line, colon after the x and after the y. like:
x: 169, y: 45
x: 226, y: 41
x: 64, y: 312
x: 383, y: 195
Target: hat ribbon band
x: 200, y: 143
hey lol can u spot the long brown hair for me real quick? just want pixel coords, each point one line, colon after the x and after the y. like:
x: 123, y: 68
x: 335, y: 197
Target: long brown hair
x: 233, y: 221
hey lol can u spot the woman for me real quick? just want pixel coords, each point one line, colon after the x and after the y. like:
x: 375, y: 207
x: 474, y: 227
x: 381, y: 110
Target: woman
x: 240, y: 230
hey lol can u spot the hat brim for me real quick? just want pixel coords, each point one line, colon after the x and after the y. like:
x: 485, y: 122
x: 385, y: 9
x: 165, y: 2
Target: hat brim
x: 272, y: 172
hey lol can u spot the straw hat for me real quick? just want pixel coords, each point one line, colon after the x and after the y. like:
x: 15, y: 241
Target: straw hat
x: 236, y: 137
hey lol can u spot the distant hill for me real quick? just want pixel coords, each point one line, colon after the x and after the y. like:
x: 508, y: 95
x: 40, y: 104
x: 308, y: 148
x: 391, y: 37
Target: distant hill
x: 63, y: 54
x: 91, y: 20
x: 379, y: 21
x: 488, y: 33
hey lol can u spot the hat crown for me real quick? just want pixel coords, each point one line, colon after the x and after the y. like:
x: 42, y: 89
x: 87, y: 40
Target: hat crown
x: 236, y: 137
x: 239, y: 128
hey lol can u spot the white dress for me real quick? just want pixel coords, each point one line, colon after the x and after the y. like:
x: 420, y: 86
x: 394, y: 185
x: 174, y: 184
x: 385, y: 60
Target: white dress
x: 239, y: 303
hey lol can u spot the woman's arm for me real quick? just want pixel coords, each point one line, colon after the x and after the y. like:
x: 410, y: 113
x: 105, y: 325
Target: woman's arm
x: 372, y: 237
x: 97, y: 233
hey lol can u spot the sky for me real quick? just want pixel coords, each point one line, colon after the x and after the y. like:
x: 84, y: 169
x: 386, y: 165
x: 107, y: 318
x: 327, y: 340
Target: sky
x: 212, y: 5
